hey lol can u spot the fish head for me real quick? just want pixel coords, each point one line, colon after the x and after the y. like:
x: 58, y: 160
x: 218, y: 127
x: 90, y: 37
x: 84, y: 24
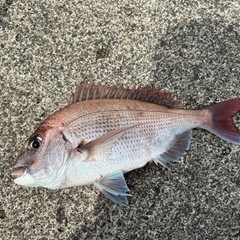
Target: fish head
x: 43, y: 159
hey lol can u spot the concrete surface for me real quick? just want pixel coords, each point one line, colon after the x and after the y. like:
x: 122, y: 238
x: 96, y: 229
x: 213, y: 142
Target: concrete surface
x: 189, y: 47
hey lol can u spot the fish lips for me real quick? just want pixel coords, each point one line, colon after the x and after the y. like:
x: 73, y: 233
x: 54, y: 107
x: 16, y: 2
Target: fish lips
x: 22, y: 177
x: 18, y: 171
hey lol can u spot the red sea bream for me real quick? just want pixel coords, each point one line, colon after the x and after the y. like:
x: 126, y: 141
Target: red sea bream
x: 105, y: 132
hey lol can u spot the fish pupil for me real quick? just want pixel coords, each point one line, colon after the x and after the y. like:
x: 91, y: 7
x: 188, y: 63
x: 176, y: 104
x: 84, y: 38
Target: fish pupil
x: 36, y: 144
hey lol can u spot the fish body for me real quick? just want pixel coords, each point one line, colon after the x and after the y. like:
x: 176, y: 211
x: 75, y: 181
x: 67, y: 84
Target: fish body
x: 146, y: 138
x: 105, y: 132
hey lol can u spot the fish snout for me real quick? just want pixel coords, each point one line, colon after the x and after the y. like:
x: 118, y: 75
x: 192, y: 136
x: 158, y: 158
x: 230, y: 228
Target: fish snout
x: 18, y: 171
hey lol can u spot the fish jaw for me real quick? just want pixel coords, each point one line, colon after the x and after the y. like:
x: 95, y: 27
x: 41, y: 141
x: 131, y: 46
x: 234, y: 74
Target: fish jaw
x: 18, y: 171
x: 23, y: 177
x: 29, y: 178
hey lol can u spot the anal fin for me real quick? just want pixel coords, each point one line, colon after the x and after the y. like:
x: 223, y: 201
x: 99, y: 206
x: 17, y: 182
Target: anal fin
x: 114, y: 187
x: 177, y: 148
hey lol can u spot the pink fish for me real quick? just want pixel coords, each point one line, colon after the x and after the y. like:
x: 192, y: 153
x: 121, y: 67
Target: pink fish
x: 106, y: 131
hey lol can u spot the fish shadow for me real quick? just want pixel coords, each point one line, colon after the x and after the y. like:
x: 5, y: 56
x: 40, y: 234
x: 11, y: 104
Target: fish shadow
x: 195, y: 60
x: 109, y: 219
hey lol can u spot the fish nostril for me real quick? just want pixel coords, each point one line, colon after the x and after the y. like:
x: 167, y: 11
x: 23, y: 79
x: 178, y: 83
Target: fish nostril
x: 18, y: 171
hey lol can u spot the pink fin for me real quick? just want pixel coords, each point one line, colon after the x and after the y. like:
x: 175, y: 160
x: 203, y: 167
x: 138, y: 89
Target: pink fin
x: 90, y: 91
x: 177, y: 148
x: 102, y: 146
x: 221, y: 123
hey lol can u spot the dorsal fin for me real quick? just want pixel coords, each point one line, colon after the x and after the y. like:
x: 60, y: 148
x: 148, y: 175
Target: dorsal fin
x: 91, y: 90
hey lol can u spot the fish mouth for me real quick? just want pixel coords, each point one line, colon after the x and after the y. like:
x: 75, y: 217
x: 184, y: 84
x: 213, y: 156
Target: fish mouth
x: 18, y: 172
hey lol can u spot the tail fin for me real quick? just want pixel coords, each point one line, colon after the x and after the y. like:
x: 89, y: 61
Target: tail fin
x: 221, y: 122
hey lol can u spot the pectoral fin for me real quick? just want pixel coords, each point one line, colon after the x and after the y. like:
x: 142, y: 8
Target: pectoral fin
x: 114, y: 187
x: 102, y: 146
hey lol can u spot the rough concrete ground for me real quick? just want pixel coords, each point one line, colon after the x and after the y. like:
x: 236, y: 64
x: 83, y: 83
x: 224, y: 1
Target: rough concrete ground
x: 189, y: 47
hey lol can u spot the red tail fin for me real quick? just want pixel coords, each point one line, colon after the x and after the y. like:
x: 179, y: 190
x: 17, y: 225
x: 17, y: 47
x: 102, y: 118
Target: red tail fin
x: 222, y: 124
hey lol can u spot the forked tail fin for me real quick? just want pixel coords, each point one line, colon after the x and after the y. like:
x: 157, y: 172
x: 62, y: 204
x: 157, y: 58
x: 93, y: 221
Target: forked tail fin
x: 221, y: 122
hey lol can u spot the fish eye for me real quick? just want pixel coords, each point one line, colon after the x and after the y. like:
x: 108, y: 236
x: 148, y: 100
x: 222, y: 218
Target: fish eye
x: 35, y: 142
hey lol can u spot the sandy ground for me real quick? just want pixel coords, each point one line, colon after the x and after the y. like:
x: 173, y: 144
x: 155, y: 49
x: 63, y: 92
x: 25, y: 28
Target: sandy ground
x: 190, y: 47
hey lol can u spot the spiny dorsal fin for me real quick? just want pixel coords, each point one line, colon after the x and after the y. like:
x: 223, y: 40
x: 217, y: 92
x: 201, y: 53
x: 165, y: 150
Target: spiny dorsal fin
x: 91, y: 90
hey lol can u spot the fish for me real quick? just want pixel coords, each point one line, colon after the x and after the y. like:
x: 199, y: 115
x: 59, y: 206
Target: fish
x: 106, y: 131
